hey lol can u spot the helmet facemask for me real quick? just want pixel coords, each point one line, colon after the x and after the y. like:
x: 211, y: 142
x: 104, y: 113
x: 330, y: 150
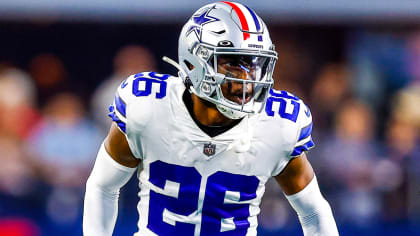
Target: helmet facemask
x: 236, y: 80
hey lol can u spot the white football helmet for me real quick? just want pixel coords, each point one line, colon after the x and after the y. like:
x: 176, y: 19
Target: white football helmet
x: 233, y: 34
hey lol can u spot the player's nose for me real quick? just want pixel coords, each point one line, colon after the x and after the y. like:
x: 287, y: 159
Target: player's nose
x: 237, y: 87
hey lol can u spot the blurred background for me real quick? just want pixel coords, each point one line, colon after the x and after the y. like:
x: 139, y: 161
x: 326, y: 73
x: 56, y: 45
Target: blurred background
x: 355, y: 63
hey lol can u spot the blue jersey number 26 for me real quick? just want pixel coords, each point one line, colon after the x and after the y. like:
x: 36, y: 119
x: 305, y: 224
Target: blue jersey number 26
x: 225, y: 209
x: 282, y: 98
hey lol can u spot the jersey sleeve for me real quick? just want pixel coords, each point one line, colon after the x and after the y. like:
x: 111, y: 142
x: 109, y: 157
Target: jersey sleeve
x: 134, y: 106
x: 304, y: 140
x: 118, y: 108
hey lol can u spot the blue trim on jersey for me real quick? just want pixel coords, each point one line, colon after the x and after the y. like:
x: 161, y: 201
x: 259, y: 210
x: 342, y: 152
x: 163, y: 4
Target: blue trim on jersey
x: 124, y: 83
x: 257, y: 23
x: 307, y: 112
x: 305, y: 132
x: 120, y: 105
x: 115, y: 118
x: 305, y: 147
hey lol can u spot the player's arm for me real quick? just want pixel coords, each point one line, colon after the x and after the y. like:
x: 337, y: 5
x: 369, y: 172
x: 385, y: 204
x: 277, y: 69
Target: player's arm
x: 300, y: 186
x: 114, y: 166
x: 117, y: 146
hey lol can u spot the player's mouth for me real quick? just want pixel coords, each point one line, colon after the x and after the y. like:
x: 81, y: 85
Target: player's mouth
x: 238, y: 98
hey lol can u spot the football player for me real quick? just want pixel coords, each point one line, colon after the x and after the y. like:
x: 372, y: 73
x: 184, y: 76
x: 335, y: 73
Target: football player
x: 205, y: 143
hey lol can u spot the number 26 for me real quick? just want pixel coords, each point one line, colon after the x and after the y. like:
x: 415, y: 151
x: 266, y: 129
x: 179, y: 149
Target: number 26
x: 225, y: 207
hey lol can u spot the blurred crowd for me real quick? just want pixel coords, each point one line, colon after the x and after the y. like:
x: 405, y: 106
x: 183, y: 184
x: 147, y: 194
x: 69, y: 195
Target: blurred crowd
x: 365, y: 106
x: 366, y: 129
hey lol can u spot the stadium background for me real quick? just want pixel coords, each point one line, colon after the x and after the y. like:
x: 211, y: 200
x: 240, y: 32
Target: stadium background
x: 355, y: 63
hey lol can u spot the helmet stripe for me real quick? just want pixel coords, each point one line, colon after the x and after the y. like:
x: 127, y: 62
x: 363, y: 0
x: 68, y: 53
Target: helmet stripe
x: 257, y: 23
x: 242, y: 18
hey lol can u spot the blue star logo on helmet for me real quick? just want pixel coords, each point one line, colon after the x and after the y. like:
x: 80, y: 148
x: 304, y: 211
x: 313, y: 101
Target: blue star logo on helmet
x: 200, y: 20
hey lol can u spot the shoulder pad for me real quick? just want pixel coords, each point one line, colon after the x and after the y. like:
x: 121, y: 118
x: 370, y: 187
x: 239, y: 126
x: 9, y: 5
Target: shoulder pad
x: 145, y: 84
x: 293, y: 109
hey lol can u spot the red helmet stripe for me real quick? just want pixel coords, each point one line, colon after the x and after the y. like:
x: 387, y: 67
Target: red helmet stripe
x: 242, y: 18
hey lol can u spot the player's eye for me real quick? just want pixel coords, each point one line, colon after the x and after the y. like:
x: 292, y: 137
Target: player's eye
x: 232, y: 64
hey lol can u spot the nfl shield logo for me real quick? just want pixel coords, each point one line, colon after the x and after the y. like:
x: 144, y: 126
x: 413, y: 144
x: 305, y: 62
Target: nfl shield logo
x: 209, y: 149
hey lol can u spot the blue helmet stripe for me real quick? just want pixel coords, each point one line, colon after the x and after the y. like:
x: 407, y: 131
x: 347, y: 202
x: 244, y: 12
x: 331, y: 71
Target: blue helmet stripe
x: 257, y: 23
x: 305, y: 132
x: 305, y: 147
x: 120, y: 104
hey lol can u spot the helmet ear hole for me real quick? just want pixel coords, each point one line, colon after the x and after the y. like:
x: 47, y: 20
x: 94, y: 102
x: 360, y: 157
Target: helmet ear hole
x: 189, y: 65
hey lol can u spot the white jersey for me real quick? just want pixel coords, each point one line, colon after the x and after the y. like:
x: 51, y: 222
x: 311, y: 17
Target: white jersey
x: 194, y: 184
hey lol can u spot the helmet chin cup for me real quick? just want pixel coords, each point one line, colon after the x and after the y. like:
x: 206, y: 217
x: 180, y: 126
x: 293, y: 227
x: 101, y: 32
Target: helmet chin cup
x: 230, y: 113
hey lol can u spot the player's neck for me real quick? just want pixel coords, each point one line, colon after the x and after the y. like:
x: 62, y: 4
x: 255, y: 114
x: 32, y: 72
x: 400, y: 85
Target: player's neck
x: 207, y: 114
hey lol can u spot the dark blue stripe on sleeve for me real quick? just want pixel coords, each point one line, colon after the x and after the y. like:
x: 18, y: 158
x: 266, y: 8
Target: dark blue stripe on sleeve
x: 305, y: 147
x: 305, y: 132
x: 120, y: 104
x: 115, y: 118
